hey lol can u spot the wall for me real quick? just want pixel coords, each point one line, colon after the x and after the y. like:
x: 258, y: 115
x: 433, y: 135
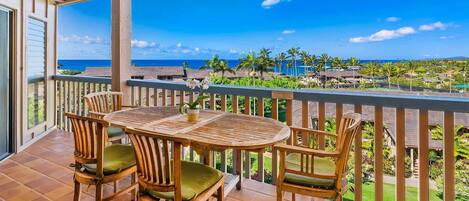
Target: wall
x: 45, y: 11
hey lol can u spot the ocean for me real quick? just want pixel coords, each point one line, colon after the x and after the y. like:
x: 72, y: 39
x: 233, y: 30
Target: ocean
x: 81, y: 65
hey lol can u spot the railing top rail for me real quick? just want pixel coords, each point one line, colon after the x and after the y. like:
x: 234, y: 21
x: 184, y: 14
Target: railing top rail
x: 436, y: 103
x: 74, y: 78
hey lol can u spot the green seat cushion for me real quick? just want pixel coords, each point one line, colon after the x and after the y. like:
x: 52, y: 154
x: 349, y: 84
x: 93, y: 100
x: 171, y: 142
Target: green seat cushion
x: 117, y: 157
x: 115, y: 132
x: 323, y: 166
x: 195, y: 179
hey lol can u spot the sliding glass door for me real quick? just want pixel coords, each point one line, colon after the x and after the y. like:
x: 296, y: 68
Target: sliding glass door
x: 5, y: 60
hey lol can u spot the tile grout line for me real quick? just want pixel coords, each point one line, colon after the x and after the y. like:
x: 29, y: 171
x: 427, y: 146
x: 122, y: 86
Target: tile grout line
x: 21, y: 184
x: 63, y: 183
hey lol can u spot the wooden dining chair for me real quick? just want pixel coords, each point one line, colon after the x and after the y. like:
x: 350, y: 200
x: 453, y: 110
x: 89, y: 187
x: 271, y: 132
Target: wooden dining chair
x: 163, y: 175
x: 97, y: 164
x: 101, y: 103
x: 307, y: 170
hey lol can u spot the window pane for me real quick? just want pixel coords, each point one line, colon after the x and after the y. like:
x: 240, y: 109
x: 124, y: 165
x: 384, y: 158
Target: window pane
x: 36, y: 60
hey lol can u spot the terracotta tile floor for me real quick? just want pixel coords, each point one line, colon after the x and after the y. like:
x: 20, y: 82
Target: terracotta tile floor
x: 42, y: 172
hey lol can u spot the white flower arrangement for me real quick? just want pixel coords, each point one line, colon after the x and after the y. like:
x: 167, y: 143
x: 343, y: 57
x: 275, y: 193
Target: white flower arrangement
x: 201, y: 86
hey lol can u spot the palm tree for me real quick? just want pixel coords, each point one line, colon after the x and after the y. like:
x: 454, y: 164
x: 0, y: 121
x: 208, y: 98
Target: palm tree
x: 223, y: 67
x: 279, y: 59
x: 211, y: 63
x: 352, y: 61
x: 371, y: 69
x: 388, y: 70
x: 399, y: 71
x: 264, y: 63
x: 411, y: 71
x: 218, y: 65
x: 247, y: 62
x: 305, y: 58
x: 323, y: 60
x: 292, y: 54
x: 336, y: 63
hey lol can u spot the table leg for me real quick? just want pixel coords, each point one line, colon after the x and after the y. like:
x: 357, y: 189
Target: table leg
x: 239, y: 167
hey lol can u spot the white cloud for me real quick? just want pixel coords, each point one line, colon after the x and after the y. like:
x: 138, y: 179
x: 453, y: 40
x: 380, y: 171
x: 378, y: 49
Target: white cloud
x: 142, y: 44
x: 446, y: 37
x: 433, y: 26
x: 197, y: 49
x: 280, y: 38
x: 179, y: 45
x: 81, y: 39
x: 384, y: 35
x: 288, y: 31
x: 269, y: 3
x: 393, y: 19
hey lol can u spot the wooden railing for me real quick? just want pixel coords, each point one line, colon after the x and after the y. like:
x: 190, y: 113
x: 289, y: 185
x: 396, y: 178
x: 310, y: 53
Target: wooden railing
x: 290, y: 105
x: 70, y: 93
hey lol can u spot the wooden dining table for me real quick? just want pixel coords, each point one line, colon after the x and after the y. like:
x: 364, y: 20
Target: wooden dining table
x: 215, y: 131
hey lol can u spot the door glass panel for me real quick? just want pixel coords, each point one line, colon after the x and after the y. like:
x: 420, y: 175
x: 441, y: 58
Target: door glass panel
x: 4, y: 82
x: 36, y: 60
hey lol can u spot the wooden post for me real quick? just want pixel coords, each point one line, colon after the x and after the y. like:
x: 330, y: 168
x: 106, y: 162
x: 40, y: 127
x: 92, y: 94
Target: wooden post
x: 448, y: 156
x: 120, y: 46
x: 378, y: 153
x: 400, y: 154
x: 358, y: 159
x: 423, y: 155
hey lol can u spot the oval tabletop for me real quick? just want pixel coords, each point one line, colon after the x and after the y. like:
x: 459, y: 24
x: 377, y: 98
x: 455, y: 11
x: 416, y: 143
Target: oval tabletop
x: 219, y: 130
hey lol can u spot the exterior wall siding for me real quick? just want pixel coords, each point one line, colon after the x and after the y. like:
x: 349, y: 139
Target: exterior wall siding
x: 46, y: 12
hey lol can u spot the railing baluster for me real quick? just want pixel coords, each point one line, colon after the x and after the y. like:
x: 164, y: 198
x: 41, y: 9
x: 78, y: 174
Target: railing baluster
x: 448, y: 156
x: 305, y: 114
x: 132, y: 96
x: 212, y: 102
x: 275, y: 108
x: 140, y: 96
x: 182, y: 96
x: 163, y: 100
x: 423, y: 155
x: 378, y: 153
x: 260, y: 106
x: 223, y: 166
x: 321, y: 123
x: 234, y: 104
x: 339, y: 110
x: 247, y: 105
x: 61, y: 104
x: 223, y: 102
x: 358, y: 159
x: 400, y: 154
x: 247, y: 164
x: 173, y: 98
x: 155, y: 96
x: 147, y: 96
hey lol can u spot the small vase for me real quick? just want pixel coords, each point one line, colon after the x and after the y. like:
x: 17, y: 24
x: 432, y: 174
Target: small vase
x: 193, y: 115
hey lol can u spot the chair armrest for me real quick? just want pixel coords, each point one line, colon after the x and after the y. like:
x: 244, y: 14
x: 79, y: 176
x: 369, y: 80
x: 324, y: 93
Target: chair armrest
x: 318, y: 132
x: 307, y: 151
x: 97, y: 115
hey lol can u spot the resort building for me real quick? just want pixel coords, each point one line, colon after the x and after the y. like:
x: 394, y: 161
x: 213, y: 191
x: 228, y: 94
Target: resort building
x: 62, y: 137
x: 142, y: 73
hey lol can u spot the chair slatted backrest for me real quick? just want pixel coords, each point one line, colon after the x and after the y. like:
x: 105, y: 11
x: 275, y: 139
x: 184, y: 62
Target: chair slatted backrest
x: 104, y: 102
x: 158, y: 160
x: 88, y: 135
x: 348, y: 128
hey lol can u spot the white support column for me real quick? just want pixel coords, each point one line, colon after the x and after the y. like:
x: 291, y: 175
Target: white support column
x: 120, y: 47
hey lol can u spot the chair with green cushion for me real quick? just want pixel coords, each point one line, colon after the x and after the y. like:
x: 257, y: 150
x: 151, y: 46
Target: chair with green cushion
x: 163, y: 175
x: 97, y: 164
x: 101, y: 103
x: 306, y: 169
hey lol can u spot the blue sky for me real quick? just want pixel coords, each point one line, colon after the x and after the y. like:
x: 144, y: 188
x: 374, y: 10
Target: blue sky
x: 188, y: 29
